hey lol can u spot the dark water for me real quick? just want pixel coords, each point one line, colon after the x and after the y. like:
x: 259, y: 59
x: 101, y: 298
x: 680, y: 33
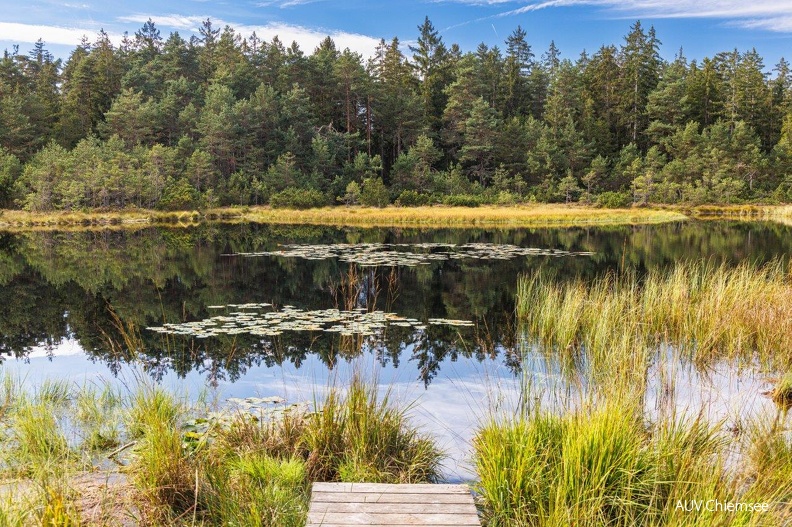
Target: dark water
x: 92, y: 289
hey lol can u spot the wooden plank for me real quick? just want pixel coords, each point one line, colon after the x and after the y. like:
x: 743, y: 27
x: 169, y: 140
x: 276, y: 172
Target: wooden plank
x: 391, y: 505
x: 392, y: 508
x: 361, y: 497
x: 418, y: 488
x: 363, y: 518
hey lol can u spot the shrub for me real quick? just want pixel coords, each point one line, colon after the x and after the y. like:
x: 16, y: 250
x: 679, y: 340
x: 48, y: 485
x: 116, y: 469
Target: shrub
x: 297, y: 198
x: 178, y: 195
x: 411, y: 198
x: 463, y: 200
x: 614, y: 200
x: 374, y: 193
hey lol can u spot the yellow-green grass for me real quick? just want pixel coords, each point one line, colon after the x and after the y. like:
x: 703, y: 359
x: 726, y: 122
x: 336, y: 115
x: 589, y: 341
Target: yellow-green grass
x: 23, y: 220
x: 513, y: 216
x: 603, y: 464
x: 776, y: 213
x: 709, y: 311
x: 186, y: 464
x: 436, y: 216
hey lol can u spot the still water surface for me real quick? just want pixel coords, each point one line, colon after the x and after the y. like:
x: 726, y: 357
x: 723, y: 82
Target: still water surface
x: 69, y: 298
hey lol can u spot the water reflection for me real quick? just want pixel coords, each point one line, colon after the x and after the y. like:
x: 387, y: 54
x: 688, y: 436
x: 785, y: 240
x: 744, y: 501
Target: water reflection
x: 101, y: 289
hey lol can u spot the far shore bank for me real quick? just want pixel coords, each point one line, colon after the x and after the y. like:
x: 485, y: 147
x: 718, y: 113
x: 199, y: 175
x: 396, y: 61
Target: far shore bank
x: 535, y: 215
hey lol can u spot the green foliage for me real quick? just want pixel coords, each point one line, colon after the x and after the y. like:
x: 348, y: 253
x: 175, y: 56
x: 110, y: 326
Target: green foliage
x: 298, y: 198
x: 246, y: 119
x: 352, y: 194
x: 374, y: 193
x: 463, y: 200
x: 10, y: 170
x: 179, y: 195
x: 614, y: 200
x: 411, y: 198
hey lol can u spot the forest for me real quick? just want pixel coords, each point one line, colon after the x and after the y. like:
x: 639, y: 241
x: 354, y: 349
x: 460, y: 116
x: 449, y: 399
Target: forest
x: 219, y: 119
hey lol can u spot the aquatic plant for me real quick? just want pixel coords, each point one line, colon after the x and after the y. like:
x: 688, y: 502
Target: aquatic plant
x: 603, y: 464
x: 408, y: 254
x: 289, y: 318
x: 708, y: 311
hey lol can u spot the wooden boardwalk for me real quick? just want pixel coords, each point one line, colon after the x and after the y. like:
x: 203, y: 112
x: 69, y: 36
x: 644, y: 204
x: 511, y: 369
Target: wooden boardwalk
x: 351, y: 504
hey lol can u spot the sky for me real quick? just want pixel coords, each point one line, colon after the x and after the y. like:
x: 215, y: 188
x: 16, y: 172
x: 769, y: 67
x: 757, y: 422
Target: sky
x: 700, y: 28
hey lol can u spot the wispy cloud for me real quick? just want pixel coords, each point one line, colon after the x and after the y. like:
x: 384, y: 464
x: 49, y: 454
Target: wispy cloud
x: 307, y: 38
x: 69, y: 36
x: 772, y: 15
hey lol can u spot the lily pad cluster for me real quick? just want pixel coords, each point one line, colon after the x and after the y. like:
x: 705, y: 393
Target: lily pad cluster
x: 201, y: 430
x: 408, y: 254
x: 255, y: 321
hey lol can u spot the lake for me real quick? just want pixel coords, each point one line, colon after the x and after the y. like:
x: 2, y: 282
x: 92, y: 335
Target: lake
x: 244, y: 310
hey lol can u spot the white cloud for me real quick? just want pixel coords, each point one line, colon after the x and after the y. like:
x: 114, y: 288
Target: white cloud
x: 70, y: 36
x: 772, y: 15
x: 307, y: 38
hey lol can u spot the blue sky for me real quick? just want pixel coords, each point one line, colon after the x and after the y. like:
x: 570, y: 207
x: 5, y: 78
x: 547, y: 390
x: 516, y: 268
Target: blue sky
x: 701, y: 27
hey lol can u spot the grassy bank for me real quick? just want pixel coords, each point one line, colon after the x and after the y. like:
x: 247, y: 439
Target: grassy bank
x: 709, y: 311
x: 741, y: 212
x: 98, y: 456
x: 22, y: 220
x: 604, y: 464
x: 513, y: 216
x: 602, y: 457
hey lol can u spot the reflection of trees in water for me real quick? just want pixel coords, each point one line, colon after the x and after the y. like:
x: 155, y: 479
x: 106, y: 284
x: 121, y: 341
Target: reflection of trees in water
x: 60, y: 285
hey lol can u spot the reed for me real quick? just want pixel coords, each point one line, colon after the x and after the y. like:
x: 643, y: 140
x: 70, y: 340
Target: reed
x: 358, y: 437
x: 706, y: 310
x: 604, y: 464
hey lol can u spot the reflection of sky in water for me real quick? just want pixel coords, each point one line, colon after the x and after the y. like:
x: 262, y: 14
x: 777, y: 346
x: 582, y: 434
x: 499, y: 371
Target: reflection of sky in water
x: 464, y: 393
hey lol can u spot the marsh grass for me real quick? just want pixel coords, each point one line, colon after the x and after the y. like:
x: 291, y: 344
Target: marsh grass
x: 23, y: 220
x: 243, y: 468
x: 359, y: 436
x: 514, y: 216
x: 604, y: 464
x: 782, y: 392
x: 709, y: 311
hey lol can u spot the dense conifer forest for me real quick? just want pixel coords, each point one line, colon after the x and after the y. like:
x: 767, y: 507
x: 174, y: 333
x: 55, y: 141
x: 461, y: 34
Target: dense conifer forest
x: 219, y: 119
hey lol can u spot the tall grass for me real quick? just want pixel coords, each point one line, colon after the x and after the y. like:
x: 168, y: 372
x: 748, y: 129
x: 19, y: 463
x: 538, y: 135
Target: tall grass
x: 358, y: 436
x: 514, y: 216
x: 709, y: 311
x: 256, y: 470
x: 186, y: 464
x: 533, y: 215
x: 604, y: 465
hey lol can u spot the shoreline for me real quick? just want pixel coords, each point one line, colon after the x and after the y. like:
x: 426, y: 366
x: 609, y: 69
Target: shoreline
x: 516, y: 216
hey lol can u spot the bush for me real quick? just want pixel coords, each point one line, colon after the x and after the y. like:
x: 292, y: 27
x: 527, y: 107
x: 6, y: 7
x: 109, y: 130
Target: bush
x: 374, y: 193
x: 179, y: 195
x: 614, y: 200
x: 297, y: 198
x: 463, y: 200
x: 411, y: 198
x: 505, y: 197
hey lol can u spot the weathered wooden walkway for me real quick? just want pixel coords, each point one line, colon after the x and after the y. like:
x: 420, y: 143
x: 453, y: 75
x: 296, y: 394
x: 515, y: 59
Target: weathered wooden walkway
x: 351, y: 504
